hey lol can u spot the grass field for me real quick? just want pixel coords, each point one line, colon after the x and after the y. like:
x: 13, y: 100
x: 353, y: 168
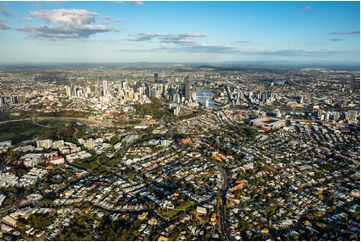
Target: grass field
x: 170, y: 214
x: 10, y: 116
x: 25, y: 130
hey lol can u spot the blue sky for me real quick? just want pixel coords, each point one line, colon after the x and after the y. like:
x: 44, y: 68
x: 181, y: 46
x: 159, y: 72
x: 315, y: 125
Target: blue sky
x: 63, y: 32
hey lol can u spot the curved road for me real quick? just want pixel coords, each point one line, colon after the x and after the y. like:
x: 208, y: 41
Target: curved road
x: 223, y: 189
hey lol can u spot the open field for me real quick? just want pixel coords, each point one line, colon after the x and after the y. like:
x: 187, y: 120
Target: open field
x: 25, y: 130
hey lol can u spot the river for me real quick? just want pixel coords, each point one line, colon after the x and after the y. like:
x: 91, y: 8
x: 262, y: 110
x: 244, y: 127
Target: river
x: 203, y: 94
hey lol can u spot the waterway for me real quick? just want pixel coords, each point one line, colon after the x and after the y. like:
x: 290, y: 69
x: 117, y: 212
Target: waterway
x: 204, y: 94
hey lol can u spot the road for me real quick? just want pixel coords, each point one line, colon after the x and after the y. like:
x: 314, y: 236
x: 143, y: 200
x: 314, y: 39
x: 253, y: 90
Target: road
x: 223, y: 207
x: 14, y: 120
x: 223, y: 227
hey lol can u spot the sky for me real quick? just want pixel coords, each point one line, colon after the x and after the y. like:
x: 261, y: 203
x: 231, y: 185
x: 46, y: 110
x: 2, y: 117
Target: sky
x: 208, y: 32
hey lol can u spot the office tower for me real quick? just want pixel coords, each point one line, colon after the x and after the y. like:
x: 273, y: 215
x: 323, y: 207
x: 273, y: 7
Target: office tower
x: 187, y: 89
x: 124, y: 85
x: 177, y: 98
x: 263, y: 97
x: 194, y: 97
x: 68, y: 91
x: 88, y: 91
x: 298, y: 99
x: 72, y: 89
x: 326, y: 116
x: 97, y: 91
x: 79, y: 92
x: 14, y: 100
x: 156, y: 77
x: 140, y: 90
x: 147, y: 91
x: 150, y: 91
x: 241, y: 95
x: 105, y: 88
x: 171, y: 92
x: 130, y: 94
x: 176, y: 110
x: 207, y: 103
x: 164, y: 91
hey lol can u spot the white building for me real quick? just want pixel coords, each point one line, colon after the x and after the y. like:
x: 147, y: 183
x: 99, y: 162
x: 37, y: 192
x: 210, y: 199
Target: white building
x: 46, y: 143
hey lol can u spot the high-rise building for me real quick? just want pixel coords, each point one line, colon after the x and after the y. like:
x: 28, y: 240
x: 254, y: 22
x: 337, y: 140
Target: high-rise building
x: 88, y: 91
x: 148, y: 90
x: 79, y: 92
x: 72, y: 89
x: 298, y: 99
x: 187, y: 89
x: 105, y: 88
x: 68, y: 91
x: 2, y: 101
x: 177, y: 98
x: 97, y: 90
x: 14, y: 100
x: 124, y: 85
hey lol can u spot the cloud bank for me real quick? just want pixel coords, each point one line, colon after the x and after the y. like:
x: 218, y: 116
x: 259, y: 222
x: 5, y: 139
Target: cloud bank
x: 3, y: 26
x: 6, y: 12
x: 186, y: 42
x: 166, y: 38
x: 66, y: 24
x: 345, y: 33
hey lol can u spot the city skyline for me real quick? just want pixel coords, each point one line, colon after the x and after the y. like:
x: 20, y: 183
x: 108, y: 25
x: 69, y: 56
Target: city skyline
x: 209, y: 32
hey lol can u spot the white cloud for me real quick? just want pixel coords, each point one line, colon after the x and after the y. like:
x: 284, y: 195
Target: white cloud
x: 3, y: 26
x: 130, y: 2
x: 184, y: 42
x: 66, y: 24
x: 113, y: 19
x: 136, y: 2
x: 307, y: 8
x: 205, y: 48
x: 6, y: 12
x: 166, y: 38
x: 345, y: 33
x: 72, y: 17
x: 295, y: 52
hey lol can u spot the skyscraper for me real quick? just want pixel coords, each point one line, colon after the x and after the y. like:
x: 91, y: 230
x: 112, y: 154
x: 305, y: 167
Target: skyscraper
x: 72, y: 89
x: 68, y: 91
x: 156, y: 77
x: 187, y: 89
x: 105, y: 88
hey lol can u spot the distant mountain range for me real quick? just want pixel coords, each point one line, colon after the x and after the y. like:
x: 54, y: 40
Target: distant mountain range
x: 229, y: 65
